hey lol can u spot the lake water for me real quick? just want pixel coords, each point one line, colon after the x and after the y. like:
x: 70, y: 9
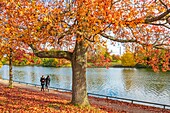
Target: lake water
x: 138, y: 84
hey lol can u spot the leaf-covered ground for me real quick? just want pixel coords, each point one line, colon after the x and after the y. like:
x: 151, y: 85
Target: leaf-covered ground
x: 29, y: 99
x: 18, y: 100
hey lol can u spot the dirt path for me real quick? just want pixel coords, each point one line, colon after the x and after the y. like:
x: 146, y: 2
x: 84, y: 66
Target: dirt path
x: 109, y: 105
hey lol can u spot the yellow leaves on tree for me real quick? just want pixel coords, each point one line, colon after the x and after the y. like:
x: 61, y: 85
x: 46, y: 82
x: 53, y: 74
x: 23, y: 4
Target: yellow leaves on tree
x: 1, y: 64
x: 128, y: 59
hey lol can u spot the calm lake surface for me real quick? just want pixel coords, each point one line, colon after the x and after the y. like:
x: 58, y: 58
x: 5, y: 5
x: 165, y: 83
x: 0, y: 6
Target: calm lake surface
x: 139, y: 84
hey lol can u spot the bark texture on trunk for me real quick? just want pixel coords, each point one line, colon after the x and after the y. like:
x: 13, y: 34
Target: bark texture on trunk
x: 10, y: 70
x: 79, y: 65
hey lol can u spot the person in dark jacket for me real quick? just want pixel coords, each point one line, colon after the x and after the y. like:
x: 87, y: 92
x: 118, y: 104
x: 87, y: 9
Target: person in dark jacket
x: 42, y: 80
x: 47, y: 82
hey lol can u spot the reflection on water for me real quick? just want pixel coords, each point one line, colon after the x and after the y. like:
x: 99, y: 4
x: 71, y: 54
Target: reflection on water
x: 19, y: 75
x: 128, y: 78
x: 139, y: 84
x: 33, y: 76
x: 147, y: 85
x: 96, y: 82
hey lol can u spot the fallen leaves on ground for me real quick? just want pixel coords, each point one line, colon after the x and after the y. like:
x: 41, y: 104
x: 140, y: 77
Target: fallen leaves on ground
x: 17, y: 100
x: 21, y: 100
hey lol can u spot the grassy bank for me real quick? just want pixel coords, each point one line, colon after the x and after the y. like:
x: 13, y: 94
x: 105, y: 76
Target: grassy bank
x: 116, y: 64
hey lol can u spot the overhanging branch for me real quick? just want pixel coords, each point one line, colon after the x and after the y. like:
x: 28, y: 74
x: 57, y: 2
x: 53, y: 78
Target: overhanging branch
x: 51, y: 54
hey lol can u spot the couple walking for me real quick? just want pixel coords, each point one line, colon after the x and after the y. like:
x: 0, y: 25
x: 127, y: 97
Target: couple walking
x: 45, y: 81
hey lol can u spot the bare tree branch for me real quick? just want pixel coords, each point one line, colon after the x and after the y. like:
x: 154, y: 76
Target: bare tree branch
x: 160, y: 25
x: 89, y: 39
x: 163, y: 4
x: 114, y: 2
x: 159, y: 17
x: 118, y: 40
x: 162, y: 47
x: 63, y: 35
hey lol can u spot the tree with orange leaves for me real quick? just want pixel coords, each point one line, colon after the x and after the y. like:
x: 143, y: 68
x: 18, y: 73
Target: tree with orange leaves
x: 11, y: 49
x: 71, y: 28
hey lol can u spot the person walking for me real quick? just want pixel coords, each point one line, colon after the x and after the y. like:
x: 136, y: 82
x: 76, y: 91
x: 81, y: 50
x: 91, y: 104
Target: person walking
x: 42, y: 80
x: 47, y: 82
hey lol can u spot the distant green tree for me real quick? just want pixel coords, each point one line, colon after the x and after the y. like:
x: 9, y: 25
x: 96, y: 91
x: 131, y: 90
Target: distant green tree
x: 49, y: 62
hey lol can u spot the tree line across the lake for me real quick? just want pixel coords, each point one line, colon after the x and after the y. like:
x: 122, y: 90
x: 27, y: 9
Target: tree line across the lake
x: 101, y: 58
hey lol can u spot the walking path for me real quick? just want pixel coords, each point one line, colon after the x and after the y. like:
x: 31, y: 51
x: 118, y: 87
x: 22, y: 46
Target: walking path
x: 109, y: 105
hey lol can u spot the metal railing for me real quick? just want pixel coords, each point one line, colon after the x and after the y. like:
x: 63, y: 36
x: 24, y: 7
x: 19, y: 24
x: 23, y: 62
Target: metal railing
x: 131, y: 100
x: 103, y: 96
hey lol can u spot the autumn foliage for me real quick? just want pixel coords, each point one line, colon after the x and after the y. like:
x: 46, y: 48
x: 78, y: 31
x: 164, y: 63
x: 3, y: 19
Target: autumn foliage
x: 71, y: 28
x: 157, y: 59
x: 128, y: 59
x: 58, y: 24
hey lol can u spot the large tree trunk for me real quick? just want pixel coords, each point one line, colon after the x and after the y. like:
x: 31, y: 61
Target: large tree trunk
x: 10, y: 70
x: 79, y: 64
